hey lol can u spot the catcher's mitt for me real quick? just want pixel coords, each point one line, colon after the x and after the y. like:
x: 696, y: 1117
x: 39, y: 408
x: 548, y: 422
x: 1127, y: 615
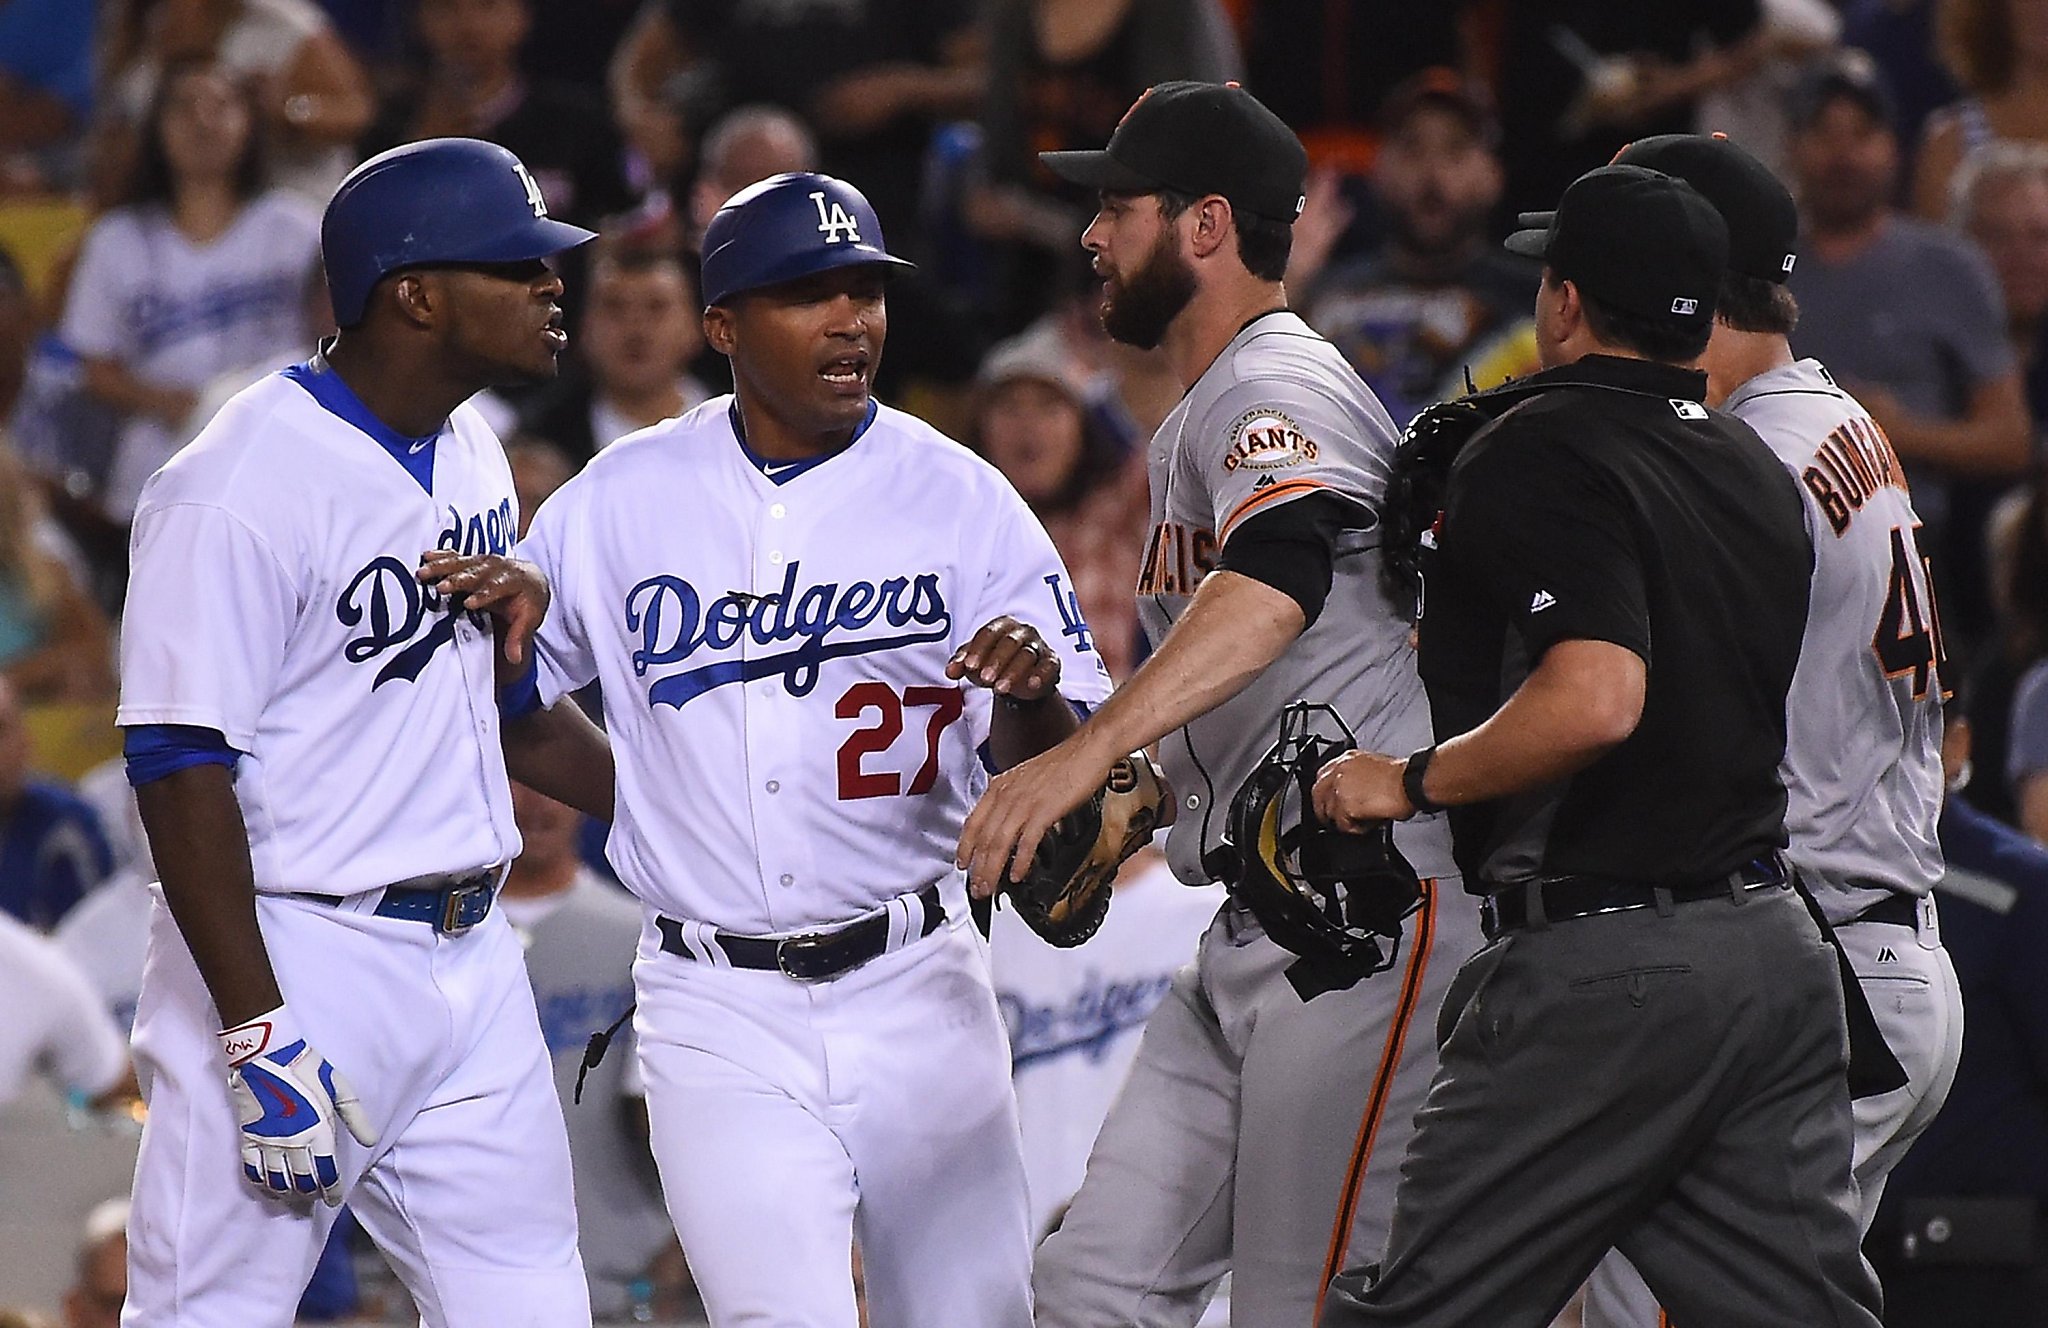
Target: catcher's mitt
x: 1415, y: 495
x: 1065, y: 893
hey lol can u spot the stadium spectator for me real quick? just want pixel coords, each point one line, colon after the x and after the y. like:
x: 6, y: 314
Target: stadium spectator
x: 307, y: 89
x: 580, y: 936
x: 642, y: 326
x: 1998, y: 52
x: 1440, y: 296
x: 1899, y: 37
x: 1751, y: 109
x: 2001, y: 202
x: 1327, y: 66
x: 744, y: 147
x: 1579, y: 78
x: 95, y: 1298
x: 538, y: 469
x: 1031, y: 420
x: 471, y: 86
x: 200, y: 272
x: 1908, y: 316
x: 17, y: 327
x: 55, y: 1025
x: 1074, y: 1017
x: 52, y: 849
x: 870, y: 76
x: 46, y: 49
x: 1960, y: 1237
x: 55, y: 644
x: 1061, y: 73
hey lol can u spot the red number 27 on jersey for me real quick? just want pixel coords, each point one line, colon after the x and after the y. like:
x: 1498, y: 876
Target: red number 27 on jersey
x: 946, y: 703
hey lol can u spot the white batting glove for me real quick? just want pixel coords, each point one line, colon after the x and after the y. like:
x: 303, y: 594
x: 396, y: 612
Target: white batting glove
x: 288, y: 1097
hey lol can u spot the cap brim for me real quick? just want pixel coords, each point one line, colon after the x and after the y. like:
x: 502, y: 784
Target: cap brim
x: 1532, y: 242
x: 1096, y: 169
x: 542, y: 237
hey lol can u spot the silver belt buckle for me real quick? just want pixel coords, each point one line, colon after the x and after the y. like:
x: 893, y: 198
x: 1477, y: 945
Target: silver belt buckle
x: 453, y: 907
x: 796, y: 947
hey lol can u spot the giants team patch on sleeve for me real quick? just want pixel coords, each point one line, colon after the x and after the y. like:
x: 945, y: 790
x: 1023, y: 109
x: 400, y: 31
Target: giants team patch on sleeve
x: 1265, y: 439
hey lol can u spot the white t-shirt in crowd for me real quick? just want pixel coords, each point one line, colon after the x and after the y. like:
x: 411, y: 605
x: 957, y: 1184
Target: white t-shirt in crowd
x: 55, y: 1023
x: 1075, y: 1016
x: 106, y: 934
x: 178, y: 313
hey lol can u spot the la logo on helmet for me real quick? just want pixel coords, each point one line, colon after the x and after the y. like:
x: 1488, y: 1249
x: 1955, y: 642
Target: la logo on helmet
x: 532, y: 186
x: 830, y: 223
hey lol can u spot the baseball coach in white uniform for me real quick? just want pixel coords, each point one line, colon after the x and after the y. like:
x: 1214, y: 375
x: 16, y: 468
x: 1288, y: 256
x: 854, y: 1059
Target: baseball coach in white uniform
x: 816, y: 621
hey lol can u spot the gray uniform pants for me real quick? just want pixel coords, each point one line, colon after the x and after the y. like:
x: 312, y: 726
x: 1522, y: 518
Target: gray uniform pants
x: 1671, y: 1086
x: 1257, y: 1134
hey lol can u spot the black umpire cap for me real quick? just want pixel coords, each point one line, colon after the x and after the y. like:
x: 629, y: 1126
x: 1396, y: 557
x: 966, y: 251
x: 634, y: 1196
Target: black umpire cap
x: 1763, y: 221
x: 1636, y: 240
x: 1198, y: 138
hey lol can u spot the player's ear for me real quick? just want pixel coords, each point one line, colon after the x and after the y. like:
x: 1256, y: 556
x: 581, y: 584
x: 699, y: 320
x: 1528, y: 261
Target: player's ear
x: 718, y: 329
x: 414, y: 295
x: 1213, y: 224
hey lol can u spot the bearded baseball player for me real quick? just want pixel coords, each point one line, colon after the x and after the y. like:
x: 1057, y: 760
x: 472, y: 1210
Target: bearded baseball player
x: 331, y: 1007
x: 1862, y: 766
x: 1265, y: 1116
x: 810, y: 614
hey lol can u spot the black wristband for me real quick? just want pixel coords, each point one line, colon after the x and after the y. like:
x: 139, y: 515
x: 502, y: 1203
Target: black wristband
x: 1412, y: 773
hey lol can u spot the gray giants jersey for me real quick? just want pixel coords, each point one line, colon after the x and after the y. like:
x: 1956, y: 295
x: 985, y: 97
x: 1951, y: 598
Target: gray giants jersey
x: 1277, y: 417
x: 1863, y: 720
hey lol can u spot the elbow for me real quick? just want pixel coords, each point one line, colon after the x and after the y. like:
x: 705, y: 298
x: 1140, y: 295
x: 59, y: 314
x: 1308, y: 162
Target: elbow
x: 1610, y: 717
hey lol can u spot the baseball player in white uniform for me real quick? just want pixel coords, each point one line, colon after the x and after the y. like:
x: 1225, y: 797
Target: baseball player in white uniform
x: 1862, y: 766
x: 1265, y: 1119
x: 810, y: 614
x: 331, y: 1009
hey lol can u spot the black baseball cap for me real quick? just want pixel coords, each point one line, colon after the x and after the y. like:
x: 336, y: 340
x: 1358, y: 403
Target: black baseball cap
x: 1847, y: 75
x: 1197, y: 138
x: 1442, y: 89
x: 1636, y: 240
x: 1763, y: 221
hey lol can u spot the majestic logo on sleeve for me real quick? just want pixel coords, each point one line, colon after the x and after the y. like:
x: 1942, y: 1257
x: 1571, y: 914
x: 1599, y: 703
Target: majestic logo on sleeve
x: 390, y: 606
x: 675, y: 625
x: 1265, y: 439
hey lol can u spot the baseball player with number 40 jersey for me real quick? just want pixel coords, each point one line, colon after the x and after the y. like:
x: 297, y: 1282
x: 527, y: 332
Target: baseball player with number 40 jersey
x: 1862, y: 766
x: 811, y: 616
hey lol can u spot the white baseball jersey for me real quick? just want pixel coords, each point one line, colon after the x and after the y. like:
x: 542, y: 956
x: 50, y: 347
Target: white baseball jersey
x: 272, y: 598
x: 55, y: 1022
x: 1862, y: 766
x: 1074, y: 1017
x: 180, y: 314
x: 790, y: 752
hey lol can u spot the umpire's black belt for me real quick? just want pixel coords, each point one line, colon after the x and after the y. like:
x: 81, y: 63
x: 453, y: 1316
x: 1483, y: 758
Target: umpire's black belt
x: 1550, y: 899
x: 812, y: 956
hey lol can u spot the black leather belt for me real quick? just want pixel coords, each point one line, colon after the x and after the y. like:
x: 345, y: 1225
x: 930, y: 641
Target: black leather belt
x: 1899, y: 909
x: 813, y: 956
x: 1508, y: 907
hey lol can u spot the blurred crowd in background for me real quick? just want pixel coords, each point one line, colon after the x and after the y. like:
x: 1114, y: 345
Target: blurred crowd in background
x: 163, y: 164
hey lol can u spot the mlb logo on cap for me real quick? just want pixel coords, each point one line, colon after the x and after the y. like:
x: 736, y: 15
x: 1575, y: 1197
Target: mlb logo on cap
x: 1786, y: 266
x: 1682, y: 305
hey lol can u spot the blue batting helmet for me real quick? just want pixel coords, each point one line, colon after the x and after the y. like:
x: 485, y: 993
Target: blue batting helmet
x: 785, y: 227
x: 443, y: 200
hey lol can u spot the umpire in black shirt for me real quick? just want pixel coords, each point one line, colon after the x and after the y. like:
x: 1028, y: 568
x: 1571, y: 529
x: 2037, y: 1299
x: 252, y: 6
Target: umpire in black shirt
x: 1650, y: 1053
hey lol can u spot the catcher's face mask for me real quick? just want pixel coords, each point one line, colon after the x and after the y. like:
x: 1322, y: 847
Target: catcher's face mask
x: 1336, y: 899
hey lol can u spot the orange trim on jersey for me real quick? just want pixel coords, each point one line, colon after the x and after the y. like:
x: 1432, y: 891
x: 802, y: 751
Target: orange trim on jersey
x: 1261, y: 498
x: 1382, y: 1087
x: 1663, y: 1318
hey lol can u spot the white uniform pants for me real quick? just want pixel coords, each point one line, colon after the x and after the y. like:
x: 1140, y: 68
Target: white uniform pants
x: 467, y: 1190
x: 790, y: 1117
x: 1913, y: 991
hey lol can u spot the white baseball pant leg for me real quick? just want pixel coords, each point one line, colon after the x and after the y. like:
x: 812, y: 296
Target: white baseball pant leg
x: 788, y: 1117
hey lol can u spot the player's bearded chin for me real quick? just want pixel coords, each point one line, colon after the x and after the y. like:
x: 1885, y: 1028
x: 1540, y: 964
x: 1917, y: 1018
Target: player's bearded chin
x: 1138, y: 309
